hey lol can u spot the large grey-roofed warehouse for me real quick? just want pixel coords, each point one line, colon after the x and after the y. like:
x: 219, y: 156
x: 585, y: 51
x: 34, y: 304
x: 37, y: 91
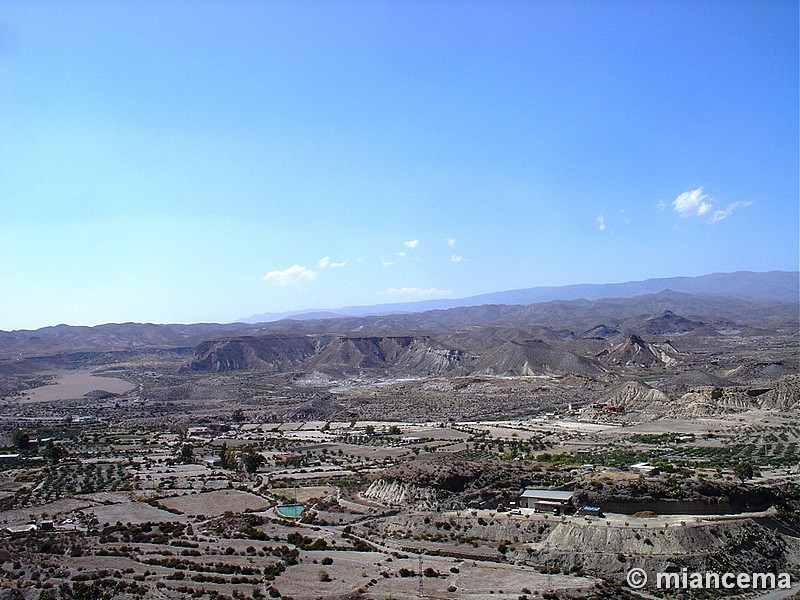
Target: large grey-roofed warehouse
x: 545, y: 500
x: 556, y: 495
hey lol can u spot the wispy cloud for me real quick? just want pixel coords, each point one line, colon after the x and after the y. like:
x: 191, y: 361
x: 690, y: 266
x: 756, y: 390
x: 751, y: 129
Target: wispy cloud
x: 661, y: 205
x: 411, y: 244
x: 386, y: 263
x: 696, y: 203
x: 450, y: 242
x: 601, y: 222
x: 455, y: 258
x: 325, y: 262
x: 294, y: 274
x: 415, y: 292
x: 727, y: 211
x: 625, y: 218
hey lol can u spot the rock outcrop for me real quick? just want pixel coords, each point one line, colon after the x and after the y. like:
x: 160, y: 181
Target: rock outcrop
x: 398, y: 493
x: 785, y: 394
x: 636, y: 396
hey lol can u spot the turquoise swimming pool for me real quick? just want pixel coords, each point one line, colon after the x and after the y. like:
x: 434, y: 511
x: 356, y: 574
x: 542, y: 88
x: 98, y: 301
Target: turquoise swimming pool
x: 291, y: 510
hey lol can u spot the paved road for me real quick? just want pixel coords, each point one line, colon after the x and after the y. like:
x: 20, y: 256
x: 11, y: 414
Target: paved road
x: 780, y: 594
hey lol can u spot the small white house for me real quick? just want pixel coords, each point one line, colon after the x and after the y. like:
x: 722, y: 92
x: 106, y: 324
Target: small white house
x: 644, y: 468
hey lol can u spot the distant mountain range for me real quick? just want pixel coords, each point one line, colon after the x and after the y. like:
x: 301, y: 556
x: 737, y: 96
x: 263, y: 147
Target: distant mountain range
x: 720, y: 303
x: 776, y: 286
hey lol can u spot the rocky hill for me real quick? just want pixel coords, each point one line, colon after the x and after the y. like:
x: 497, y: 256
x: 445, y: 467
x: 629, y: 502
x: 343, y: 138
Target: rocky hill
x: 337, y: 355
x: 668, y: 323
x: 637, y: 396
x: 535, y: 357
x: 636, y: 352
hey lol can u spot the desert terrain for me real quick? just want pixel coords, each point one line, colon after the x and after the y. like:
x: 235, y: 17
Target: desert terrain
x: 386, y: 456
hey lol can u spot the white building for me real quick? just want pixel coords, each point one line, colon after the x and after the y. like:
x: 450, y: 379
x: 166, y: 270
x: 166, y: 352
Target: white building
x: 644, y: 468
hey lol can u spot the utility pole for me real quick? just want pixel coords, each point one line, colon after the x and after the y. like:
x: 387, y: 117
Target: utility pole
x: 420, y: 592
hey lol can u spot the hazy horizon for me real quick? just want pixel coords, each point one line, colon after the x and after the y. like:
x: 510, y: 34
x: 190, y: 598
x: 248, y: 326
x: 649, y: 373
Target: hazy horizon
x: 412, y: 304
x: 178, y: 163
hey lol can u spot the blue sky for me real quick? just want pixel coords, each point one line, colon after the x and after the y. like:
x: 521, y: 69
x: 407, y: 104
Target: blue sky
x: 205, y: 161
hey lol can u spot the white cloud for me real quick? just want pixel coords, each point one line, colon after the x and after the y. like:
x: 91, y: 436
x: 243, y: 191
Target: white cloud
x: 324, y: 263
x: 696, y: 203
x: 386, y: 263
x: 411, y: 244
x: 661, y: 205
x: 401, y: 254
x: 415, y: 292
x: 625, y: 218
x: 727, y: 211
x: 294, y: 274
x: 601, y: 222
x: 450, y: 242
x: 456, y: 258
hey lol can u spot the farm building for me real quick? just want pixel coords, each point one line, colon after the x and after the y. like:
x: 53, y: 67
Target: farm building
x: 554, y: 501
x: 213, y: 462
x: 644, y: 468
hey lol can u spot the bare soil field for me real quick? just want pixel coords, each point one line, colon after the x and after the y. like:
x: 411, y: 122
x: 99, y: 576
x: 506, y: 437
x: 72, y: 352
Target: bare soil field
x: 131, y: 512
x: 215, y: 503
x: 72, y: 385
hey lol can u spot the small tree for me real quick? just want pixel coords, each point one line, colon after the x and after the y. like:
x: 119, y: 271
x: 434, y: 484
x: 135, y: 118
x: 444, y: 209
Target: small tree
x: 21, y: 439
x: 55, y: 453
x: 252, y: 461
x: 744, y: 470
x: 227, y: 457
x: 186, y: 453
